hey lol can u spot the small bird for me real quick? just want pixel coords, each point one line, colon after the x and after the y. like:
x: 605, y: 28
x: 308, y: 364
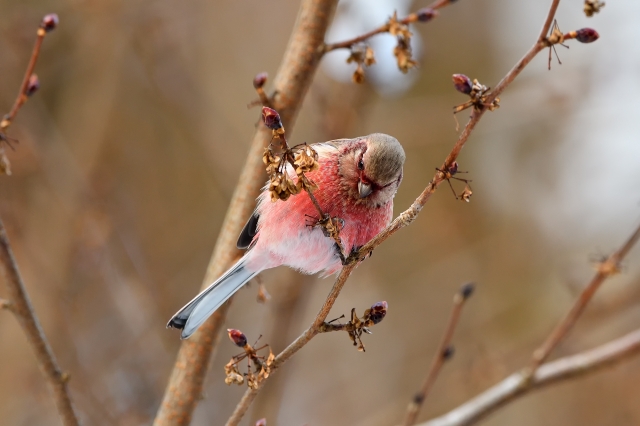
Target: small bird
x: 357, y: 180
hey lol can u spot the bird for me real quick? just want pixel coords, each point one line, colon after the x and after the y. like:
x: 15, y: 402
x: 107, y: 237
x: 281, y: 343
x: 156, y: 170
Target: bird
x: 356, y: 180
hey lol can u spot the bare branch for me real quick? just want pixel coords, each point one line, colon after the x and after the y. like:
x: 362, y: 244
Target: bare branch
x: 518, y: 384
x: 291, y: 84
x: 21, y: 306
x: 443, y: 354
x: 606, y: 269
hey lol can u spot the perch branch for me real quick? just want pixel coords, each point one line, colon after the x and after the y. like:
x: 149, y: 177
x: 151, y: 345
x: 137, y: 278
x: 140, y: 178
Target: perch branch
x: 291, y: 83
x: 517, y: 384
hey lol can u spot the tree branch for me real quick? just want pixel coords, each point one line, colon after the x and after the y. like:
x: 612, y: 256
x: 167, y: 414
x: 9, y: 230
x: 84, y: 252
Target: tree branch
x: 291, y: 84
x: 21, y: 307
x: 444, y: 353
x: 517, y: 384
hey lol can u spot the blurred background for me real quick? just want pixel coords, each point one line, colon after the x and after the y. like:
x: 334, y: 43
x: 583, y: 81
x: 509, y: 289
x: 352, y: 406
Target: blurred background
x: 129, y: 153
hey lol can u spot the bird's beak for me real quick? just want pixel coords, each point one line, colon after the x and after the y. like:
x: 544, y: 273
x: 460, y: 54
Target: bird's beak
x: 364, y: 189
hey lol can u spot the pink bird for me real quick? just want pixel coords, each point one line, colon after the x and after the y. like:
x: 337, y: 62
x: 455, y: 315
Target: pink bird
x: 357, y: 180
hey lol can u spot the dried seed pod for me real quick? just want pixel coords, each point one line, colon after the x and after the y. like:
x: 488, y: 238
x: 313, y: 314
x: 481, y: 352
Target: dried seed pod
x: 358, y: 75
x: 402, y: 52
x: 369, y: 57
x: 466, y: 194
x: 271, y: 161
x: 237, y: 337
x: 306, y: 160
x: 591, y: 7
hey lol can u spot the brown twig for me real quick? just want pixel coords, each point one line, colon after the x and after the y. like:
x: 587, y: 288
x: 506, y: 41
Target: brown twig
x: 517, y: 384
x: 21, y: 307
x: 291, y: 83
x: 610, y: 266
x: 19, y: 302
x: 403, y: 220
x: 443, y: 354
x: 428, y: 13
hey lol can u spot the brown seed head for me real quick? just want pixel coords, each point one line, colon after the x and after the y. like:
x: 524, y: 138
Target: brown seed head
x: 587, y: 35
x: 49, y: 22
x: 237, y: 337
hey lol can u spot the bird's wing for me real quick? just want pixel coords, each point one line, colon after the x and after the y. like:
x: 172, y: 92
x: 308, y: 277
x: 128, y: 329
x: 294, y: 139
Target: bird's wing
x: 248, y: 232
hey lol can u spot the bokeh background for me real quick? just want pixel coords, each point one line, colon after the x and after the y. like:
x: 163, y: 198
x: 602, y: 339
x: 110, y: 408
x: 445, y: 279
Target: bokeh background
x: 129, y: 153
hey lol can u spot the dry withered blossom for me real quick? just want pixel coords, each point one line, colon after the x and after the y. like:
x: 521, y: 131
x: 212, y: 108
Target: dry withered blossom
x: 477, y: 93
x: 262, y: 365
x: 363, y: 56
x: 591, y: 7
x: 355, y: 327
x: 449, y: 173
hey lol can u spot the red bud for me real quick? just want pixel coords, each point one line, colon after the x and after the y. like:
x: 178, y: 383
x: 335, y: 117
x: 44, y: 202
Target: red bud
x: 271, y: 118
x: 462, y: 83
x: 378, y: 312
x: 237, y: 337
x: 259, y: 80
x: 49, y: 22
x: 426, y: 14
x: 587, y: 35
x: 33, y: 85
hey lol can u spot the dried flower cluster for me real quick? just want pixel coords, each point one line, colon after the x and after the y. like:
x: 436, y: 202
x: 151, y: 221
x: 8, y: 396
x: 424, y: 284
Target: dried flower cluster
x: 363, y: 56
x: 303, y: 159
x: 449, y: 173
x: 477, y: 93
x: 262, y: 365
x: 402, y: 51
x: 357, y: 326
x: 591, y: 7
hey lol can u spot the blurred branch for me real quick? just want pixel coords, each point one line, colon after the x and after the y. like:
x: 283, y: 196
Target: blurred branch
x: 518, y: 384
x: 444, y: 353
x: 29, y: 86
x: 19, y: 302
x: 291, y: 83
x: 423, y: 15
x: 21, y: 307
x: 610, y: 266
x: 403, y: 220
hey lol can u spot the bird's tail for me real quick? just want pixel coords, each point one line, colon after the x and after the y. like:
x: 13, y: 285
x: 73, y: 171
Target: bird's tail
x: 194, y: 313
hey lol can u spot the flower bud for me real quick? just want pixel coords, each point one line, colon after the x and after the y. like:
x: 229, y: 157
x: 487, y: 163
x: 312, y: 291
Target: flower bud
x: 378, y: 312
x: 259, y: 80
x: 426, y: 14
x: 587, y: 35
x: 467, y: 290
x: 237, y: 337
x: 271, y: 118
x: 49, y: 22
x: 448, y: 352
x: 462, y: 83
x: 33, y: 85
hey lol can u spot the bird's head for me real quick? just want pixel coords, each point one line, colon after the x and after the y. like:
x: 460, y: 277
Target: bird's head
x: 371, y: 168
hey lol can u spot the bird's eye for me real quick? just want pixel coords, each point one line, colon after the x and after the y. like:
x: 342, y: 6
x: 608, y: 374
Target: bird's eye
x: 361, y: 164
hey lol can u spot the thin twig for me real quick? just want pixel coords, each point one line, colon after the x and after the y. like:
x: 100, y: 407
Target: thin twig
x: 606, y: 269
x: 291, y: 83
x: 444, y: 353
x: 517, y: 385
x: 403, y: 220
x: 21, y: 306
x: 347, y: 44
